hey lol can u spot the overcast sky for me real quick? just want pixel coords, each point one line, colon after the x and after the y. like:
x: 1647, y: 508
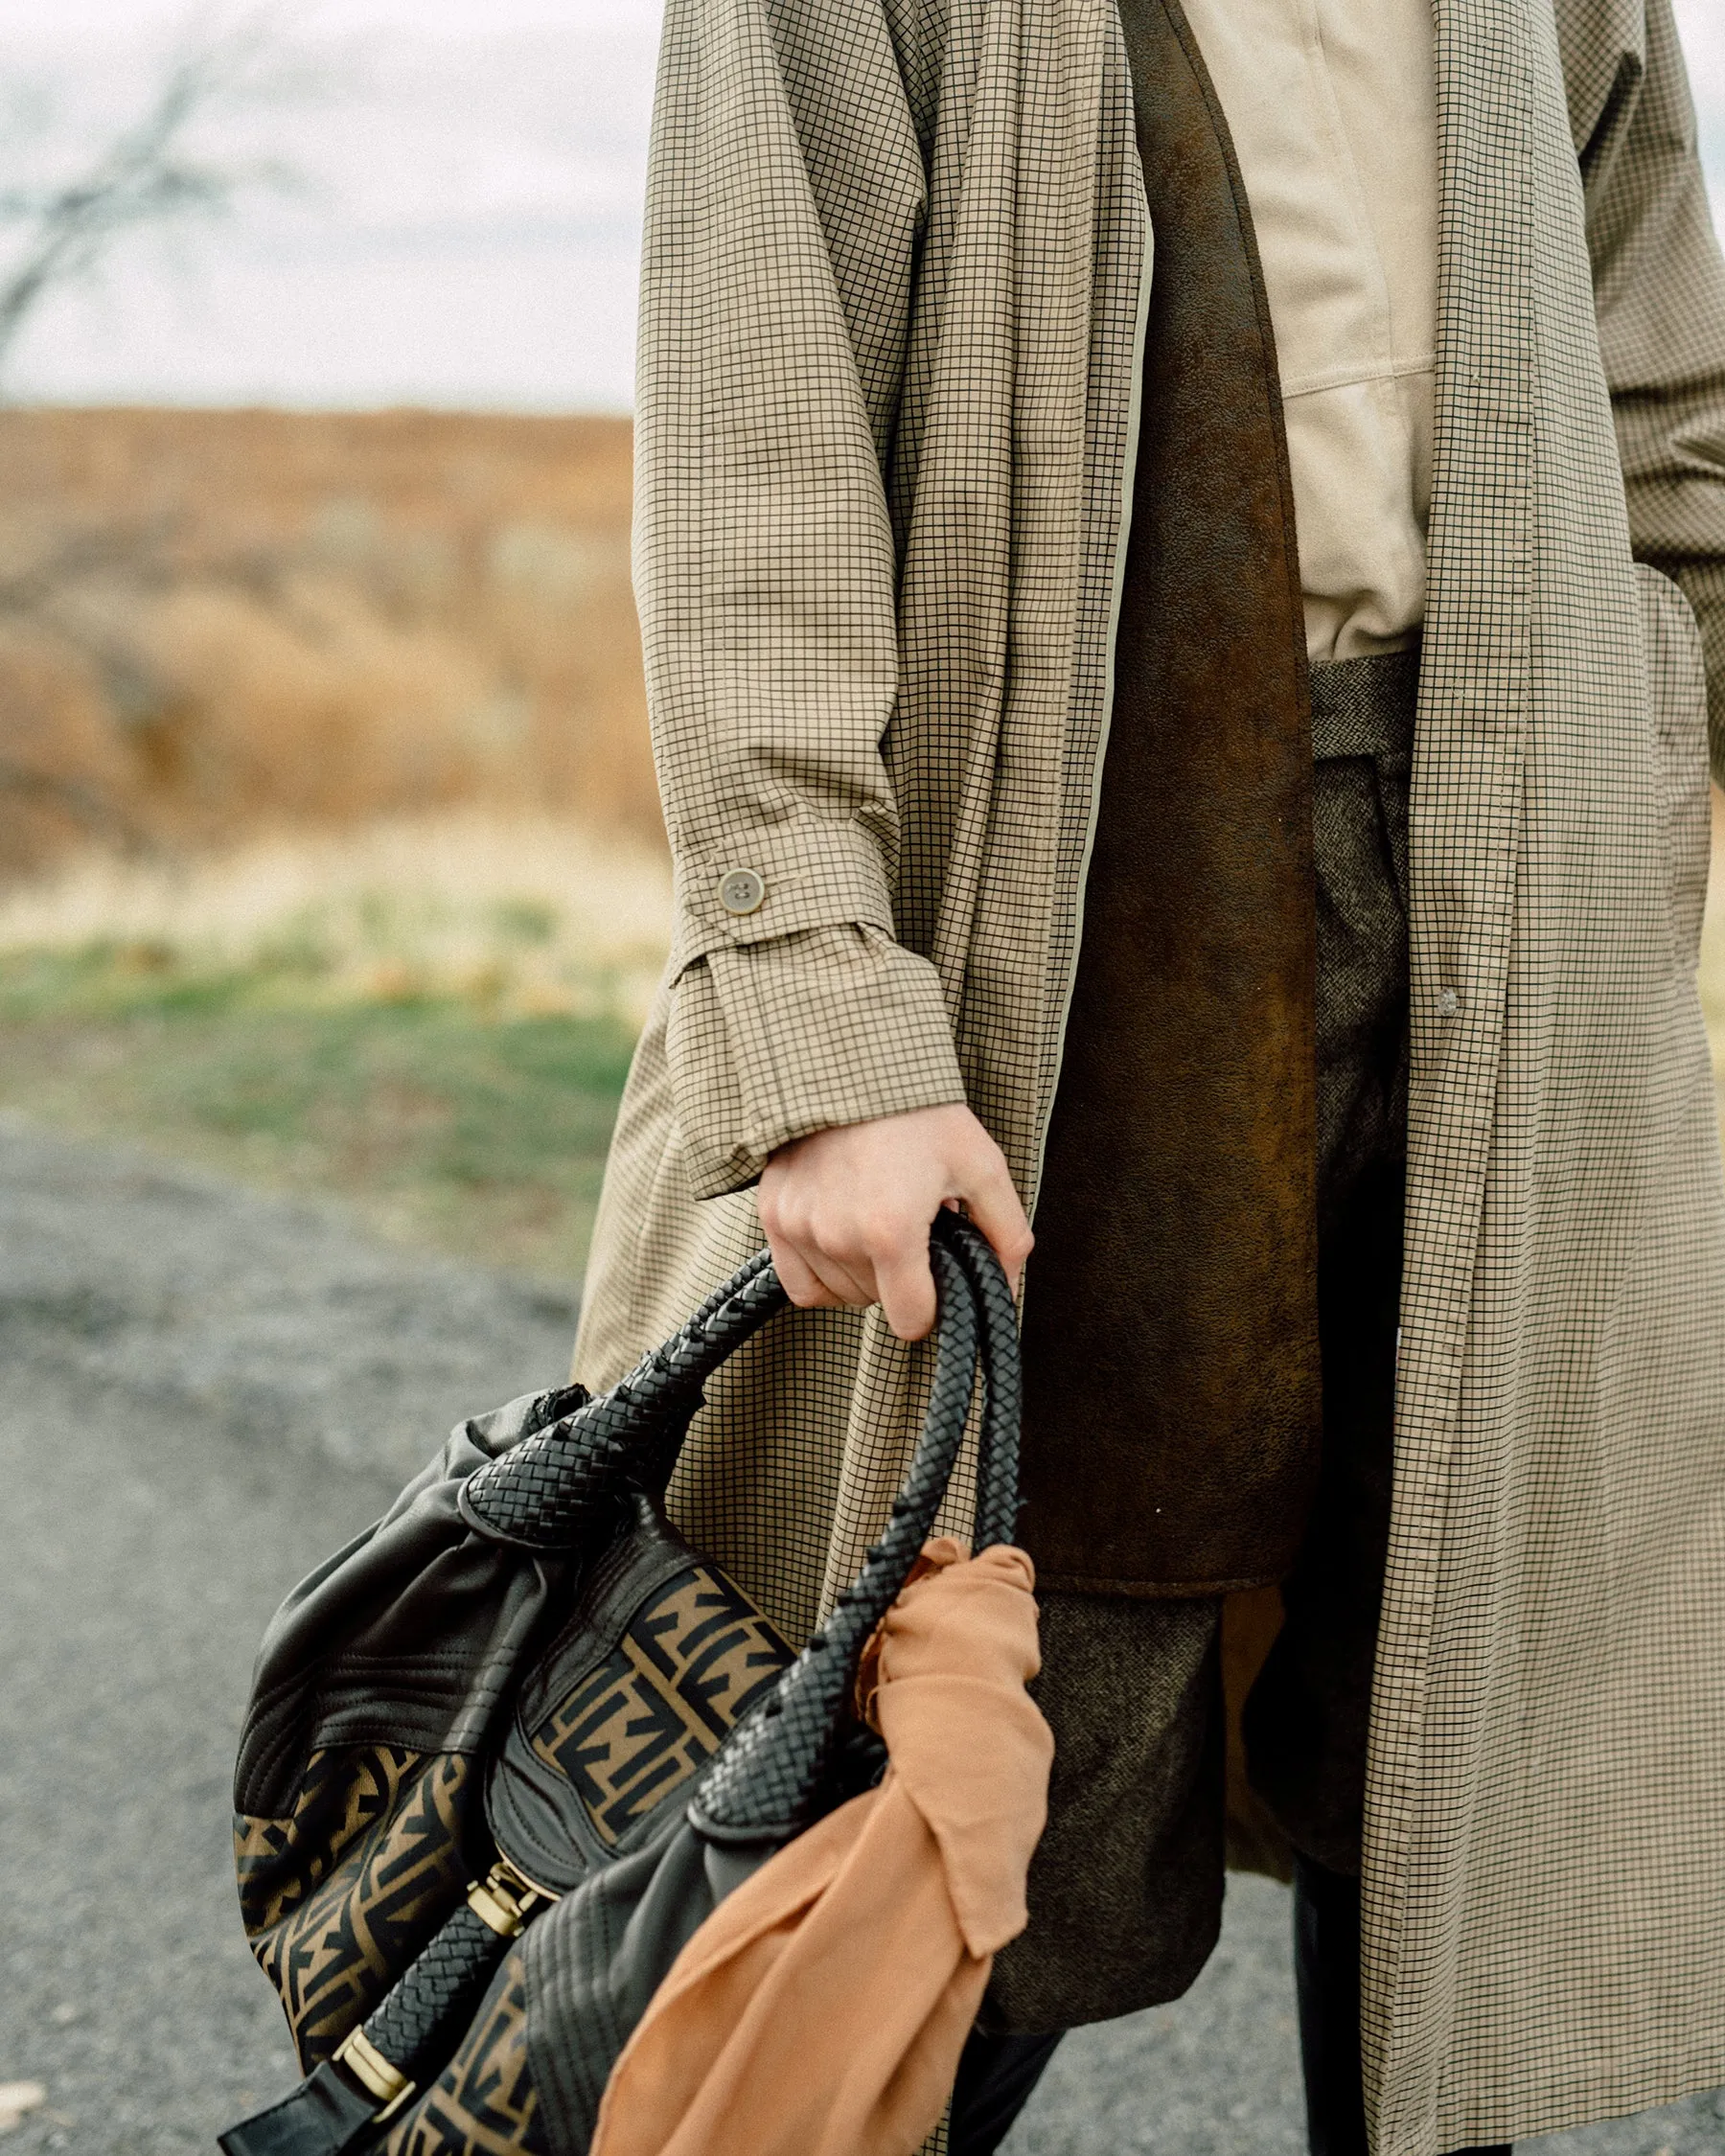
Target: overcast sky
x: 466, y: 226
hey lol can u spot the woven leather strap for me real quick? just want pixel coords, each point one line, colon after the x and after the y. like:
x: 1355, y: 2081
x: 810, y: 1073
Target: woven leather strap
x: 553, y: 1489
x: 443, y: 1990
x: 767, y: 1780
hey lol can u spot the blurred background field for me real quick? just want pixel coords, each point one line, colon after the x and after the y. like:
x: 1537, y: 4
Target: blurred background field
x: 330, y: 853
x: 428, y: 1019
x: 217, y: 623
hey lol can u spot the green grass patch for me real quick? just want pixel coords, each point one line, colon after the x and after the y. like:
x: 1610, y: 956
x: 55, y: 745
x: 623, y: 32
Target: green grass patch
x: 439, y: 1121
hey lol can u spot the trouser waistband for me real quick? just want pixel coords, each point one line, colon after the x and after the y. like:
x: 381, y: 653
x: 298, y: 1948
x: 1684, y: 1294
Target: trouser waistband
x: 1364, y: 707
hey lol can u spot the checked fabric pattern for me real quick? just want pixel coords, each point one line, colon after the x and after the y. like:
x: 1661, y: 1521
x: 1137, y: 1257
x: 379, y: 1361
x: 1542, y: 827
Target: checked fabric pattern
x: 895, y: 269
x: 1546, y: 1633
x: 1660, y: 294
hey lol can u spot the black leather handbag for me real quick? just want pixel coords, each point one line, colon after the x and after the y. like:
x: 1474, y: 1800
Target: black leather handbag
x: 507, y: 1751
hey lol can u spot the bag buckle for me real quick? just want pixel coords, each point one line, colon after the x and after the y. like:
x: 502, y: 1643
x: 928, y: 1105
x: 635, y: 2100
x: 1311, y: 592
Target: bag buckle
x: 505, y: 1899
x: 379, y: 2077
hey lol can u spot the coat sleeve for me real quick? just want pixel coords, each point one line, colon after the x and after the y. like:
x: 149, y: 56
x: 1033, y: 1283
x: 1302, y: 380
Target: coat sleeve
x: 1659, y: 284
x: 785, y: 199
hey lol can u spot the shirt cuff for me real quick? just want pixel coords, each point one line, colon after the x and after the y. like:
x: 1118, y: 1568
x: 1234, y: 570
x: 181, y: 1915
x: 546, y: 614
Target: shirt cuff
x: 771, y: 1041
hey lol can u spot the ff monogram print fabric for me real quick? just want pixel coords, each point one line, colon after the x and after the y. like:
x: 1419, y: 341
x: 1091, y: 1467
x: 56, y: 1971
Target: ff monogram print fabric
x: 341, y: 1896
x: 683, y: 1674
x: 896, y: 268
x: 484, y: 2103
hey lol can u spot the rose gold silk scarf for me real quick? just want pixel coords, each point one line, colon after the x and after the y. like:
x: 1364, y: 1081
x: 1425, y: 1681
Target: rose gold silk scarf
x: 821, y: 2009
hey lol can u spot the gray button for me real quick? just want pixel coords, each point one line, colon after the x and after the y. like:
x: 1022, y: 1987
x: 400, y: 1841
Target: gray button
x: 1448, y: 1003
x: 741, y: 890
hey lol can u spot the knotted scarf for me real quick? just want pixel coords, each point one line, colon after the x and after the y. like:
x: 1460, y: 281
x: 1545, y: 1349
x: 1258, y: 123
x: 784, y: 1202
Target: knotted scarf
x: 821, y: 2009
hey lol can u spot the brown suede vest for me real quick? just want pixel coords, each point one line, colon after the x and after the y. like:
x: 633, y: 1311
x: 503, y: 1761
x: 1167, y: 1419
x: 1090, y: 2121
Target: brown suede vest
x: 1171, y: 1341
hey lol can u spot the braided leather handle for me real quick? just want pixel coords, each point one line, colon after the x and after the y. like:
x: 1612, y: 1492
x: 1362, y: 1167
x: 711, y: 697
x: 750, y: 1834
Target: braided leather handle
x: 546, y: 1491
x: 765, y: 1782
x: 440, y: 1992
x: 1002, y: 1373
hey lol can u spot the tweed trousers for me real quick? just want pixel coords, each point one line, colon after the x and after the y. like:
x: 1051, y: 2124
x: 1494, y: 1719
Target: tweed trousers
x: 1126, y: 1888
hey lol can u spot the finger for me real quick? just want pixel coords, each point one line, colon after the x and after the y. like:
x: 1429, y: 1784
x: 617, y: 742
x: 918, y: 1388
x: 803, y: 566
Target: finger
x: 841, y: 1280
x: 906, y: 1289
x: 805, y: 1288
x: 849, y: 1282
x: 995, y: 1209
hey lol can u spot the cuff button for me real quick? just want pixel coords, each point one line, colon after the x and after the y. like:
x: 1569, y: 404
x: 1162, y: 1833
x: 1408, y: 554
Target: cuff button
x: 741, y: 890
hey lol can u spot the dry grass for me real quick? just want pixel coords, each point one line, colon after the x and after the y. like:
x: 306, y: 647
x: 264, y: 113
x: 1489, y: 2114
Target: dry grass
x: 214, y: 624
x: 512, y: 917
x: 309, y: 721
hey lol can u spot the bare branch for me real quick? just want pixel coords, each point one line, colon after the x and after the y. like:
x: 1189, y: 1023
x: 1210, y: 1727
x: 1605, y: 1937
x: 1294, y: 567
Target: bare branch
x: 150, y: 176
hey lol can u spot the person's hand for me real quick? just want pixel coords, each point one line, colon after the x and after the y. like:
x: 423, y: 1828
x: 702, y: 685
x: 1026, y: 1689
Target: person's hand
x: 848, y: 1211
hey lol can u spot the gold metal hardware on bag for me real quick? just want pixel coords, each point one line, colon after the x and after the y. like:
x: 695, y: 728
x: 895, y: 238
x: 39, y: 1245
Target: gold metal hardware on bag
x: 368, y: 2066
x: 505, y: 1898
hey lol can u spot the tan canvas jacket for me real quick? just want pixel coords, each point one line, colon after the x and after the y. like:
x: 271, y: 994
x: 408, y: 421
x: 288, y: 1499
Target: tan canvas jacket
x: 896, y: 268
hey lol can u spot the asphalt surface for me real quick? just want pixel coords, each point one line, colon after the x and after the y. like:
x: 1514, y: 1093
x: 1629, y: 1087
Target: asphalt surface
x: 204, y: 1392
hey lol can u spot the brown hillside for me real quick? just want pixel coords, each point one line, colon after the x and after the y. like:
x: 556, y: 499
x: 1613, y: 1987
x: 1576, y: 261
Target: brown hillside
x: 213, y: 623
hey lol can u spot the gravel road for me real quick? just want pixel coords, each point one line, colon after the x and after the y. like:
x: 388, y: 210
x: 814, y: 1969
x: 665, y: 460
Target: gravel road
x: 205, y: 1392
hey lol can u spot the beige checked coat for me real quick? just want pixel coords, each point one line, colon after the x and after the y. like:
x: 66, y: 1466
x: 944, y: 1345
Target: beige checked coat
x: 896, y: 268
